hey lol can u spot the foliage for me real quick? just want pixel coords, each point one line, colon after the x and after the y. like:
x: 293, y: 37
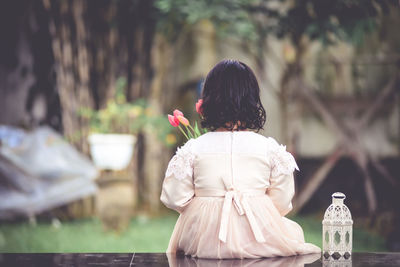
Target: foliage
x: 230, y: 16
x: 121, y: 116
x: 324, y: 20
x: 327, y: 20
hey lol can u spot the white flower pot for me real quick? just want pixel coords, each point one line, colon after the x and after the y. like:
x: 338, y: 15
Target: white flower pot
x: 111, y: 151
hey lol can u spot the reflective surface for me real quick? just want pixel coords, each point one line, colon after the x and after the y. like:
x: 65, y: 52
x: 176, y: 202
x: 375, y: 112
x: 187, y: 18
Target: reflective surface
x: 161, y: 259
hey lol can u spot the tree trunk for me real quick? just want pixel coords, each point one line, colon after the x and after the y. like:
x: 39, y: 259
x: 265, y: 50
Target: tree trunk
x: 94, y: 43
x: 154, y: 160
x: 288, y: 108
x: 68, y: 29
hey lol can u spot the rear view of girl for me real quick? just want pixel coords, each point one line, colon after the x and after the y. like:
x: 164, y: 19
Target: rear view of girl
x: 233, y: 186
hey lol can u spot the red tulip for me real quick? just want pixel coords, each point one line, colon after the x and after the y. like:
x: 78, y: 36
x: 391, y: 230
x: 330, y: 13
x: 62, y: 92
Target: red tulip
x: 177, y: 113
x: 174, y: 121
x: 198, y: 105
x: 183, y: 120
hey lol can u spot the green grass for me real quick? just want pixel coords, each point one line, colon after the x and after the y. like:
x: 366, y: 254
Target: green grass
x: 143, y: 235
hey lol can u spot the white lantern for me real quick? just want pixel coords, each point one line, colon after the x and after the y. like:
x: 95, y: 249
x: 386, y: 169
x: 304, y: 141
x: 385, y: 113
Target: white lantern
x: 337, y: 230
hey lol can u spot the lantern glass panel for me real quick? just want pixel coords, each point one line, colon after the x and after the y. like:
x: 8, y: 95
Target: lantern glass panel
x: 337, y: 238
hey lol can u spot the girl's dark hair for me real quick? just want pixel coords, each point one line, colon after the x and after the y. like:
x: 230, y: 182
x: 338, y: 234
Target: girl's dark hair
x: 230, y: 95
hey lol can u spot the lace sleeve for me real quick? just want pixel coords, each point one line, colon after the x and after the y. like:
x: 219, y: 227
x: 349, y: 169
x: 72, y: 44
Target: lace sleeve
x: 281, y: 161
x: 282, y: 165
x: 178, y: 189
x: 181, y: 164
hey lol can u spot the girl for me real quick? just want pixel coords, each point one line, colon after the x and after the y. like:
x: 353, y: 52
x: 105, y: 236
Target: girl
x: 233, y: 186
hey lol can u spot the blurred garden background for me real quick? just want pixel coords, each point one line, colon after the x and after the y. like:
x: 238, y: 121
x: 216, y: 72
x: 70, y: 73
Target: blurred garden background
x: 81, y: 76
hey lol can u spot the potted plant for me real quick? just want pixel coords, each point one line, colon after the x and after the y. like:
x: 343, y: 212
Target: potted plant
x: 113, y: 129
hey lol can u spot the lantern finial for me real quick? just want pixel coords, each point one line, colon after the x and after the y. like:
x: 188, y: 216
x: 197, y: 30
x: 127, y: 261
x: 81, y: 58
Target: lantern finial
x: 338, y: 197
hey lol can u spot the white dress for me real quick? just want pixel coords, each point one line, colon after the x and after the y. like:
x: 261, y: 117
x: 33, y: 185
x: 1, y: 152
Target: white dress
x: 232, y: 190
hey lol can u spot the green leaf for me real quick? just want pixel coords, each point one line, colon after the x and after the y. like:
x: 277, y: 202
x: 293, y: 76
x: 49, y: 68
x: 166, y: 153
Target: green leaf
x: 189, y: 133
x: 197, y: 130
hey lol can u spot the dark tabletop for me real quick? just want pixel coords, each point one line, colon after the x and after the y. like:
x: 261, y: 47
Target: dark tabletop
x: 161, y: 259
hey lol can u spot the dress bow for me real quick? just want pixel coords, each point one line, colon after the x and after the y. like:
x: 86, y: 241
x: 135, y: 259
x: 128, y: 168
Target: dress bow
x: 239, y: 199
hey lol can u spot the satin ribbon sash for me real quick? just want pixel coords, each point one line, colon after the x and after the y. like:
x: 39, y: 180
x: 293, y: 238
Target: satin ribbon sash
x: 239, y: 200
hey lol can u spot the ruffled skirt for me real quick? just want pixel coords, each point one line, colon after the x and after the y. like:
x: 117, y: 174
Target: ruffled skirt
x: 197, y: 229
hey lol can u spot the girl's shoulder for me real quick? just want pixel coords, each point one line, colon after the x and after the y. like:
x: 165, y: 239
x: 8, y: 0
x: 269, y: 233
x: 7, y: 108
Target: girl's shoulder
x: 272, y: 143
x: 187, y: 147
x: 267, y: 142
x: 279, y: 157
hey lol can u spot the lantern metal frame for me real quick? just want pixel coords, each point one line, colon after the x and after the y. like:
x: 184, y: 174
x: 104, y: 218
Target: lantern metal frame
x: 337, y: 229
